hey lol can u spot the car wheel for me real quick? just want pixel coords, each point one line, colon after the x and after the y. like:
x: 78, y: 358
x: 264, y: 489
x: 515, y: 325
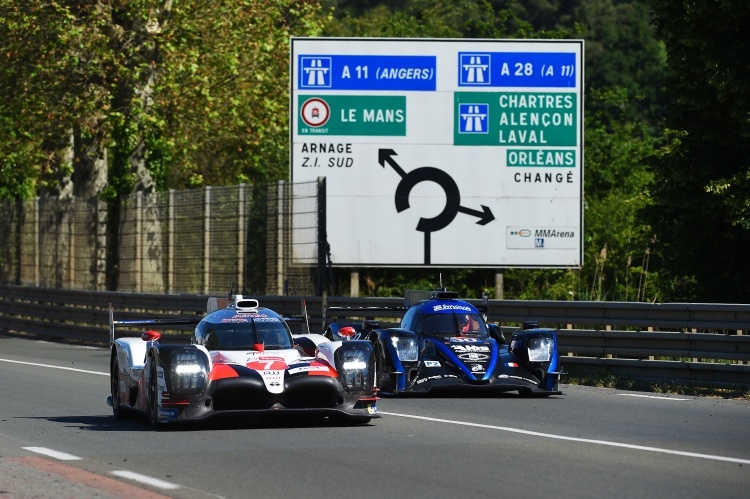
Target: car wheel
x: 378, y: 364
x: 153, y: 397
x: 117, y: 409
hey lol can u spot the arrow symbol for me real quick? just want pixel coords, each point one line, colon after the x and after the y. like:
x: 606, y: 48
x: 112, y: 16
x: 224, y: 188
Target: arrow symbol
x: 386, y: 156
x: 485, y: 216
x: 452, y: 197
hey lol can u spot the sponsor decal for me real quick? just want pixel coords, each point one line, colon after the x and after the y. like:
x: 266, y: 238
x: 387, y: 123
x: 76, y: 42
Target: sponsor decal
x: 475, y: 357
x: 168, y: 413
x: 476, y: 368
x: 263, y: 357
x: 438, y: 308
x: 309, y: 369
x: 465, y: 340
x: 270, y: 366
x: 245, y: 317
x: 327, y: 371
x: 469, y: 348
x: 431, y: 363
x: 273, y: 379
x: 432, y: 378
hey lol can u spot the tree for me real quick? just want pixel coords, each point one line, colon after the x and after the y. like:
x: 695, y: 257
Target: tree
x: 221, y: 103
x: 621, y: 50
x: 112, y: 97
x: 701, y: 195
x: 151, y: 82
x: 431, y: 18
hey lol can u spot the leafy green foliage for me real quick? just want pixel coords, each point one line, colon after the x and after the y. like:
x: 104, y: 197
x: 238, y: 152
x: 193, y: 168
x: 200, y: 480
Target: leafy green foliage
x: 221, y: 102
x: 431, y: 18
x: 700, y: 192
x: 197, y: 90
x: 621, y: 50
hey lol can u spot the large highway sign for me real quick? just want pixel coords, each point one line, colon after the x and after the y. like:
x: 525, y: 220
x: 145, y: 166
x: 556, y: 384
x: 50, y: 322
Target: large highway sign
x: 444, y: 153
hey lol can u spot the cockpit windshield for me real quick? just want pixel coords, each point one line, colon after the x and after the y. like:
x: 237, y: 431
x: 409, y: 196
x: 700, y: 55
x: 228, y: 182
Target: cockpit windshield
x: 272, y: 332
x: 453, y: 324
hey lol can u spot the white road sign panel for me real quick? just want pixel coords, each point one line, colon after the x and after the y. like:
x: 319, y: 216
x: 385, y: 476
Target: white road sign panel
x: 443, y: 153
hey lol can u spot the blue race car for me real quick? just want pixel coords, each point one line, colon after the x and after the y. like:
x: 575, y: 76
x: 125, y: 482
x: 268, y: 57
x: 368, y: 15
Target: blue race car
x: 444, y: 344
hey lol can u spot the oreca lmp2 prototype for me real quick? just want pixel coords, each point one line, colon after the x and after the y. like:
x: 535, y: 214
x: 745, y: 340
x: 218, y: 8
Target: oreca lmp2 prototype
x: 244, y: 360
x: 444, y: 343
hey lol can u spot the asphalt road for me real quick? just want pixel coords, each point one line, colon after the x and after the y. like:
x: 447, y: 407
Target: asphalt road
x: 59, y: 439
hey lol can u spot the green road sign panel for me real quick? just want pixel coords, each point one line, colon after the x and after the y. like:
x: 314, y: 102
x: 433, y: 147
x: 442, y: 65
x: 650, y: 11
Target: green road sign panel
x: 543, y: 158
x: 363, y: 115
x: 515, y: 119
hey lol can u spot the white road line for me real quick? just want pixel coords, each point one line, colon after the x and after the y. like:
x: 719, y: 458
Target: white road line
x: 575, y: 439
x: 649, y: 396
x: 54, y: 367
x: 62, y: 456
x: 155, y: 482
x: 82, y: 347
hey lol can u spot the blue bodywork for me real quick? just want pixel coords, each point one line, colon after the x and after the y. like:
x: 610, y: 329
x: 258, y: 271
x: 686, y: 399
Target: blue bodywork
x: 444, y: 343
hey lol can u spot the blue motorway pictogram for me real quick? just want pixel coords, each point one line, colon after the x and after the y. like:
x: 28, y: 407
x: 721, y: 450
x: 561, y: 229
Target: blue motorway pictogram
x: 452, y: 197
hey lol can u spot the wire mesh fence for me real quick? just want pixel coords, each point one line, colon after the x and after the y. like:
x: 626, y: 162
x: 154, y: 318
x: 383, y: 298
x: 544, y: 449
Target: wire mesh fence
x: 261, y: 239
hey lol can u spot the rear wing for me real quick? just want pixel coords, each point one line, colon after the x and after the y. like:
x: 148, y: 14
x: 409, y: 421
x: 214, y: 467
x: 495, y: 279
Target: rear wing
x: 411, y: 296
x: 369, y: 316
x: 144, y: 322
x: 242, y: 304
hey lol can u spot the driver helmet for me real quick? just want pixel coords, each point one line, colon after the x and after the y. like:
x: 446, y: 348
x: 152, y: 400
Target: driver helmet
x: 464, y: 323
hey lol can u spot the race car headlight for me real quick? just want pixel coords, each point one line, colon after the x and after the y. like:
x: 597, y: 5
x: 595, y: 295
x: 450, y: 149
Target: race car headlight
x: 189, y: 369
x: 354, y: 363
x: 540, y: 349
x: 406, y: 347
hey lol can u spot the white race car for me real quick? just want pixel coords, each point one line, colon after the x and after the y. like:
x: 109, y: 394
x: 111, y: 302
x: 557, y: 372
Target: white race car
x: 243, y: 360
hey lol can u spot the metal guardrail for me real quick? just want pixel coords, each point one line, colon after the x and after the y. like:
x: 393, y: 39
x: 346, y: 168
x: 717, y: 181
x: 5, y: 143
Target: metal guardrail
x: 691, y: 344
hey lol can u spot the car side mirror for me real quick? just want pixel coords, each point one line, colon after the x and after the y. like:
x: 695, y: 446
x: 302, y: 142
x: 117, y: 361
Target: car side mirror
x: 496, y: 333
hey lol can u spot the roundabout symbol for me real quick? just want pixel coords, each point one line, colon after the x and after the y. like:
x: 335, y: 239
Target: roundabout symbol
x: 452, y: 197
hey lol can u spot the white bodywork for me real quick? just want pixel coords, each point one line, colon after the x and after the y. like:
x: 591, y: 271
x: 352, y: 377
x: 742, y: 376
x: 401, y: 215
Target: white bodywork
x: 271, y: 364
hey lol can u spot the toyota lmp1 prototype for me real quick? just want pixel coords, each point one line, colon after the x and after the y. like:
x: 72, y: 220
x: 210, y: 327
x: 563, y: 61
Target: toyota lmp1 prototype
x: 445, y: 344
x: 243, y: 360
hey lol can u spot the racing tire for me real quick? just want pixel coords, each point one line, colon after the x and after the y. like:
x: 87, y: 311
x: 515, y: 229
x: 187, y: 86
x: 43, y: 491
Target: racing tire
x: 117, y: 411
x: 378, y: 366
x: 153, y: 398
